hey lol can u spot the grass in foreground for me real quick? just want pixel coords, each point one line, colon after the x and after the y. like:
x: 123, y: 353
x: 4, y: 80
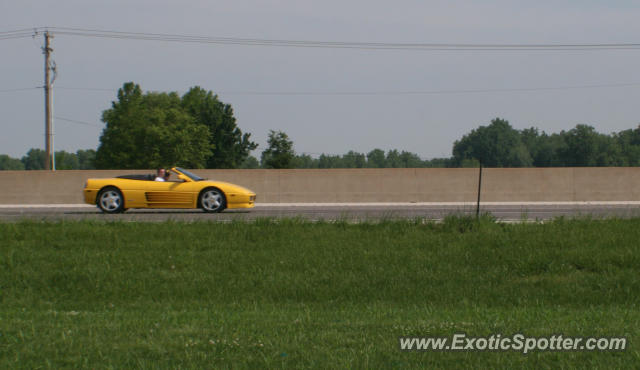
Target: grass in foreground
x: 318, y: 295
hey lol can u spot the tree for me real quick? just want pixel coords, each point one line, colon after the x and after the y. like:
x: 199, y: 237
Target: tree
x: 305, y: 161
x: 81, y: 160
x: 280, y: 152
x: 586, y: 147
x: 629, y: 143
x: 544, y: 149
x: 66, y: 161
x: 354, y: 160
x: 470, y: 163
x: 533, y: 141
x: 10, y: 164
x: 230, y: 146
x: 151, y: 130
x: 34, y: 160
x: 376, y: 159
x: 86, y: 159
x: 439, y: 163
x: 250, y: 163
x: 329, y: 161
x: 393, y: 159
x: 609, y: 152
x: 496, y: 145
x: 410, y: 160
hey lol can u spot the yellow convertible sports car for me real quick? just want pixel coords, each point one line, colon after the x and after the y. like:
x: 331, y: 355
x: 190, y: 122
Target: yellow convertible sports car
x: 118, y: 194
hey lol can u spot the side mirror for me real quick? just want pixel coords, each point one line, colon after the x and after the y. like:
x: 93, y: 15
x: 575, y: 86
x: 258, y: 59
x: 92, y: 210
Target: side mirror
x: 183, y: 177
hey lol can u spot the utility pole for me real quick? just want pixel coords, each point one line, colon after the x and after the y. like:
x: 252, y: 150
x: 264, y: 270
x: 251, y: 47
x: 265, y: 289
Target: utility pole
x: 46, y: 50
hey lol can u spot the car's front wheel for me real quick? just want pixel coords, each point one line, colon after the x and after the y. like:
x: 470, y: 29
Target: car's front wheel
x: 110, y: 200
x: 212, y: 200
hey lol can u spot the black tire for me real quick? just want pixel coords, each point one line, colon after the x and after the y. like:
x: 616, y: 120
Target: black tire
x: 212, y: 200
x: 110, y: 200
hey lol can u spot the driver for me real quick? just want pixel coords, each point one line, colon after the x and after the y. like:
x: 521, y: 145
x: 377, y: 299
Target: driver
x: 160, y: 174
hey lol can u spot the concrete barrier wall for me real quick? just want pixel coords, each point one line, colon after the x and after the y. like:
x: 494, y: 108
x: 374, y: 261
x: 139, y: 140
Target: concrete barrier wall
x: 363, y: 185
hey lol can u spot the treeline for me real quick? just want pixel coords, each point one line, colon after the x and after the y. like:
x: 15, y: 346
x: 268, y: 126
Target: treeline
x: 34, y: 160
x: 500, y: 145
x: 377, y: 158
x: 496, y: 145
x: 197, y: 130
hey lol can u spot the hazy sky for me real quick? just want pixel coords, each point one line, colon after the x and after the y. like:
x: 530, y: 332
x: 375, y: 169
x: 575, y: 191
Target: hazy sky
x: 426, y: 124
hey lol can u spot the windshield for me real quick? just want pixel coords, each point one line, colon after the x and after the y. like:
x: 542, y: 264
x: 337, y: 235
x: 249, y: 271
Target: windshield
x: 189, y: 174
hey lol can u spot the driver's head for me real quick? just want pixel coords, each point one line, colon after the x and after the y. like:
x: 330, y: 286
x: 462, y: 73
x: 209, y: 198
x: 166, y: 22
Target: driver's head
x: 160, y: 172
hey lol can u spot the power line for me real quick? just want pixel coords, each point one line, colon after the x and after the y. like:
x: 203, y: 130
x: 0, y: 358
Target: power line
x: 77, y: 121
x: 363, y: 93
x: 374, y: 93
x: 16, y: 36
x: 86, y: 88
x: 82, y: 32
x: 432, y: 92
x: 18, y: 31
x: 20, y: 89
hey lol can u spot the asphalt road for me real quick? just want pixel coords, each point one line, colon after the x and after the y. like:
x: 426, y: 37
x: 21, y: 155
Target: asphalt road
x: 349, y: 212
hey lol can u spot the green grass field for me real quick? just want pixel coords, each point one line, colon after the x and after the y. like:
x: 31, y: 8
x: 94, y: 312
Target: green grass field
x: 295, y: 294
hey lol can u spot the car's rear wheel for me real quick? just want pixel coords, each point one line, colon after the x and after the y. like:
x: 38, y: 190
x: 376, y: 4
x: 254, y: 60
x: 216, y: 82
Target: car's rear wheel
x: 110, y: 200
x: 212, y: 200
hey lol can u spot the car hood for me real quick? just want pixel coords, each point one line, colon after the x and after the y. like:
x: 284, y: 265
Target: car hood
x: 227, y: 186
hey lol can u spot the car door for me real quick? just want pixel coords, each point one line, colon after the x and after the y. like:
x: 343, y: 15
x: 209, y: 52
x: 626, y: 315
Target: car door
x: 170, y: 194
